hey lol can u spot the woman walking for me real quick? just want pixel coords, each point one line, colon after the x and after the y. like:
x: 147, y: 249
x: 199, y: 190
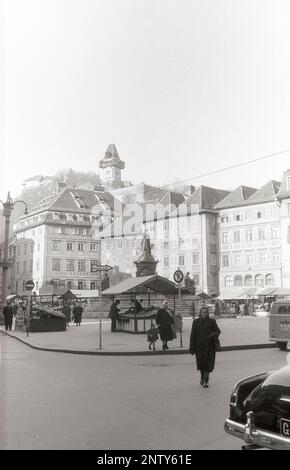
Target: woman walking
x: 165, y: 321
x: 203, y: 339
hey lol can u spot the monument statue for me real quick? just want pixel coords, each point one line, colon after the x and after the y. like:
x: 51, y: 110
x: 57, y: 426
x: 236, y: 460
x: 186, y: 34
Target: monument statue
x: 189, y: 283
x: 145, y: 264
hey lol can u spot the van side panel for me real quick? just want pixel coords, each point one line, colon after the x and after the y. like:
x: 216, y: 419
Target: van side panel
x: 279, y: 321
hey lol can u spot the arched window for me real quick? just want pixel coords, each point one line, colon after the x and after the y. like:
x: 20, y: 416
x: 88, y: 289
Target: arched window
x: 259, y: 280
x: 238, y: 281
x: 269, y: 280
x: 248, y: 281
x: 228, y: 281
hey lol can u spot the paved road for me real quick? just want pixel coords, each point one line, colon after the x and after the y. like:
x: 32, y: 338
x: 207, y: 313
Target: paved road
x: 60, y: 401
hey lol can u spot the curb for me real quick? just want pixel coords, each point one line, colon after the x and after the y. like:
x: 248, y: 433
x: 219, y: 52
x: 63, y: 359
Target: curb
x: 242, y: 347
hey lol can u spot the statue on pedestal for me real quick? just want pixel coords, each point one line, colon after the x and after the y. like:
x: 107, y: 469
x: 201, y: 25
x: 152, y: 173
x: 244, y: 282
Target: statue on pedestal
x: 145, y: 264
x: 189, y: 283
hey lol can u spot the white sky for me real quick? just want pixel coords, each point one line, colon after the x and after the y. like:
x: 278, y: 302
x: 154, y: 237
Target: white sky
x: 180, y: 86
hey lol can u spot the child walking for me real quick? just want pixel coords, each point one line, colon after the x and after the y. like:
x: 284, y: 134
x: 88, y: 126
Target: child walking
x: 152, y: 336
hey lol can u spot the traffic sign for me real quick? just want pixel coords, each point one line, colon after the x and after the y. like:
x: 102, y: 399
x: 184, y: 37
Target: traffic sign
x: 95, y: 267
x: 29, y: 285
x: 178, y: 276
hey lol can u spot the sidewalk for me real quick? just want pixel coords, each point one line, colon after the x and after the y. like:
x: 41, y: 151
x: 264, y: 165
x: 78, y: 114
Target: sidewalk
x: 236, y: 333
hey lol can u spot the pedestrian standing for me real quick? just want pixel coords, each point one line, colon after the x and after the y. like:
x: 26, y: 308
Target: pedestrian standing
x: 152, y: 336
x: 192, y: 309
x: 66, y: 312
x: 8, y: 316
x: 203, y: 339
x: 77, y: 312
x: 217, y: 309
x: 251, y: 308
x: 165, y: 321
x: 113, y: 314
x: 237, y: 308
x: 246, y: 309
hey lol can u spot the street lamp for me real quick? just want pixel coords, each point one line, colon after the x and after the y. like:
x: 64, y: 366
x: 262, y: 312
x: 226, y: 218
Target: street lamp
x: 8, y: 207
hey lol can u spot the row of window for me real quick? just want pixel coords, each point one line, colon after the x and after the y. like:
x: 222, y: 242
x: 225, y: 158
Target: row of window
x: 71, y: 265
x: 80, y: 285
x: 57, y: 245
x: 262, y: 257
x: 249, y: 235
x: 194, y: 260
x: 63, y: 230
x: 250, y: 214
x: 248, y: 280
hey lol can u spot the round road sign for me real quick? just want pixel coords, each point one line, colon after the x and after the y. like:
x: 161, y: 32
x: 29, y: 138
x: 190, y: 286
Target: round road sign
x: 178, y: 276
x: 29, y: 285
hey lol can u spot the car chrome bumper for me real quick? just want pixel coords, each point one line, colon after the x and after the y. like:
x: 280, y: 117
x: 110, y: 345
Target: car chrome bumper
x: 251, y: 435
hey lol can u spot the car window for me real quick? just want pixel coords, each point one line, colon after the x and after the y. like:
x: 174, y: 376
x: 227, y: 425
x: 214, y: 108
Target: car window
x: 285, y: 310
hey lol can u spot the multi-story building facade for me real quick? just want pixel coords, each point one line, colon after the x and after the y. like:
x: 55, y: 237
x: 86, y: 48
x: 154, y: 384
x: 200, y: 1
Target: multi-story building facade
x: 183, y: 234
x: 249, y: 239
x: 56, y: 243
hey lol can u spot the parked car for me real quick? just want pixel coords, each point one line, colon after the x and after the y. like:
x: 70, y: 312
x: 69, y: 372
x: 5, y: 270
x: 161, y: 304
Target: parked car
x: 260, y: 410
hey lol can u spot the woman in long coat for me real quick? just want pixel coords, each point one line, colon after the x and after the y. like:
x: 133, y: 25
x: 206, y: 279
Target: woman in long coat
x: 204, y: 333
x: 165, y: 320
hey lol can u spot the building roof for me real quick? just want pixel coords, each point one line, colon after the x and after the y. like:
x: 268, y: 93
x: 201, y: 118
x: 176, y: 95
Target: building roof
x: 284, y: 187
x: 265, y: 193
x: 206, y: 198
x: 77, y: 200
x: 111, y: 151
x: 172, y: 198
x: 140, y: 193
x: 237, y: 197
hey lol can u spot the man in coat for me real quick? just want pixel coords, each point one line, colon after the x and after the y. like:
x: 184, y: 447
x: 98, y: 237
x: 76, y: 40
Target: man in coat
x: 113, y: 314
x: 66, y: 312
x: 165, y: 322
x: 77, y: 312
x: 204, y: 333
x: 8, y: 316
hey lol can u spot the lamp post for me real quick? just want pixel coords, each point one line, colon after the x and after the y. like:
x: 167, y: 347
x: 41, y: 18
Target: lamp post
x: 8, y: 207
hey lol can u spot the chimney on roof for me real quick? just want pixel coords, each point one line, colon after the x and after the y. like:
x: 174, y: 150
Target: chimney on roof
x: 60, y: 185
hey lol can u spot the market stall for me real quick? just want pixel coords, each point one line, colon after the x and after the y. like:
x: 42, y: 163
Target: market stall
x: 152, y: 289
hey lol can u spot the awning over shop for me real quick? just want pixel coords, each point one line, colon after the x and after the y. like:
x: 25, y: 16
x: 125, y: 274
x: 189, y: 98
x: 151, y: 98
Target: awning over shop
x: 241, y: 294
x: 11, y: 296
x: 282, y: 291
x: 155, y: 283
x: 267, y: 291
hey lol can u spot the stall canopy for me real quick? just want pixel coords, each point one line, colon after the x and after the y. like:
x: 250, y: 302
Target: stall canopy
x: 11, y: 296
x: 155, y: 283
x: 81, y: 294
x: 281, y: 291
x: 203, y: 296
x: 267, y: 291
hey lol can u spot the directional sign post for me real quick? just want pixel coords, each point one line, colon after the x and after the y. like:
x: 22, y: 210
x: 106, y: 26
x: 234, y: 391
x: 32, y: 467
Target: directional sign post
x: 29, y: 286
x: 96, y: 267
x: 178, y: 277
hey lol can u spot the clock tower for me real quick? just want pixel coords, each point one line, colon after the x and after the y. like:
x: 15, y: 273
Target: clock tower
x: 110, y: 168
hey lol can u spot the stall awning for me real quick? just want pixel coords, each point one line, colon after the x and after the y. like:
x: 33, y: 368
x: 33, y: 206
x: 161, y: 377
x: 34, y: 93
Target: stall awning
x: 267, y: 291
x: 155, y: 283
x: 85, y: 294
x: 282, y: 291
x: 11, y: 296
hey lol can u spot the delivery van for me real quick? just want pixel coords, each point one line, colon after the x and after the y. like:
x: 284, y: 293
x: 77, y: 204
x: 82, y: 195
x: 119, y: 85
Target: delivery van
x: 279, y: 323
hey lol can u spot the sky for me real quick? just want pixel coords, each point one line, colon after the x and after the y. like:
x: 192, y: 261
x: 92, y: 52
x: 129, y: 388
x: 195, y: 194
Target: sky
x: 182, y: 87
